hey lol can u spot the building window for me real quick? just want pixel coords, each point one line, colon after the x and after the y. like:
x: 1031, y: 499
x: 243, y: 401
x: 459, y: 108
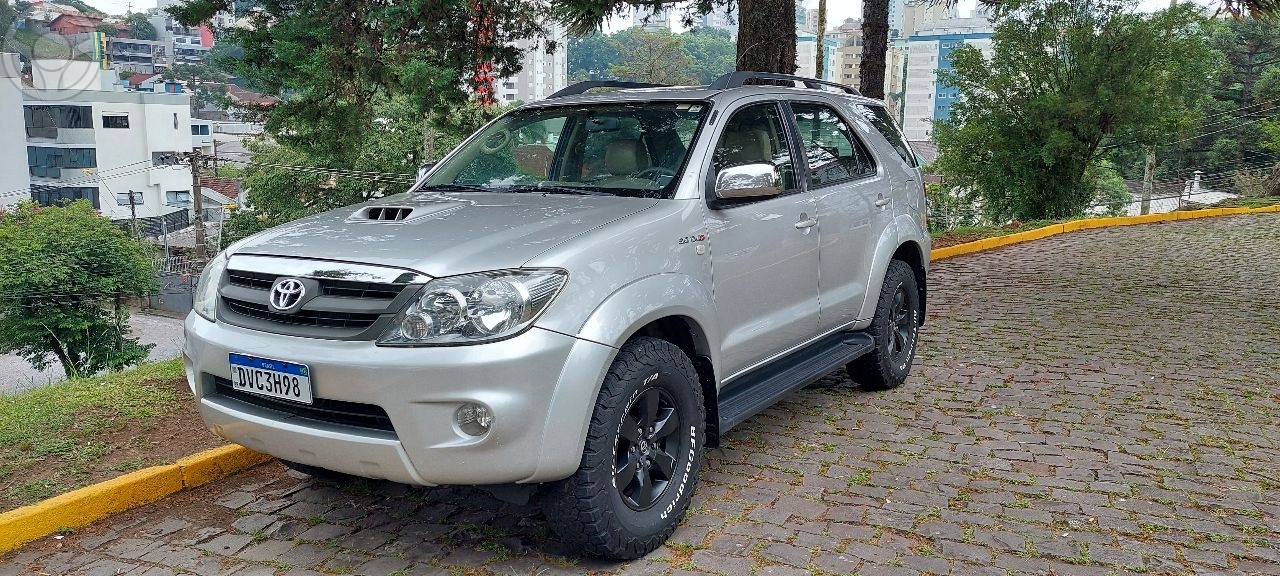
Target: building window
x: 59, y: 195
x: 115, y: 121
x: 44, y: 121
x: 199, y: 129
x: 122, y: 198
x: 177, y: 198
x: 49, y: 162
x: 164, y: 158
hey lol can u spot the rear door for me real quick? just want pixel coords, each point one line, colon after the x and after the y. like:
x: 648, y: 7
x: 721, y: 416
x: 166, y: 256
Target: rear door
x: 854, y: 206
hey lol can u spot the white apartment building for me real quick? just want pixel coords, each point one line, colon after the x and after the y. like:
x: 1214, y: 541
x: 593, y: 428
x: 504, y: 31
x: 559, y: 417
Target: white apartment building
x: 929, y: 50
x: 652, y: 20
x: 541, y: 73
x: 807, y: 57
x: 87, y: 138
x: 14, y: 180
x: 724, y: 18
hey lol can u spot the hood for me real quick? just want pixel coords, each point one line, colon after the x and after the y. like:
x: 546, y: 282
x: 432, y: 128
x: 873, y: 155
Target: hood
x: 442, y: 234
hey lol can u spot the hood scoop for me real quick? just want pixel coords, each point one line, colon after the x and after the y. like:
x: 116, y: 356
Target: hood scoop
x: 398, y: 214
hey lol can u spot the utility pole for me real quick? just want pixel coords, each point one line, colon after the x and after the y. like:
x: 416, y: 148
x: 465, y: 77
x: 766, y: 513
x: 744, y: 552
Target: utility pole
x: 196, y: 160
x: 820, y: 67
x: 1148, y: 180
x: 133, y: 214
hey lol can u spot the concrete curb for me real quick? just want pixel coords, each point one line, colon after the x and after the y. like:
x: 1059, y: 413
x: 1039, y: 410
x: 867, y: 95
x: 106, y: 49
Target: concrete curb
x: 1074, y: 225
x: 80, y: 507
x: 85, y: 505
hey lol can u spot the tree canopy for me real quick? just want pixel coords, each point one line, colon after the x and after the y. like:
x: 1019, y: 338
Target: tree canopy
x: 64, y: 275
x: 697, y: 56
x: 1064, y: 76
x: 139, y: 27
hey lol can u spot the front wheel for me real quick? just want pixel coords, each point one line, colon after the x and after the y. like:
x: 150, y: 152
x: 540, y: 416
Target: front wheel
x: 895, y: 329
x: 641, y: 459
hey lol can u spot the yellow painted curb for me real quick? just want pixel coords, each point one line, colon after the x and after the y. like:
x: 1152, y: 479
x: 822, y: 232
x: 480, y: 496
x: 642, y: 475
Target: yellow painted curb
x: 1073, y: 225
x: 80, y: 507
x: 211, y: 465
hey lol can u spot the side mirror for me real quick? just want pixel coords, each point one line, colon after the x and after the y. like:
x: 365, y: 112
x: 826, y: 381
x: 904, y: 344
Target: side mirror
x: 423, y: 169
x: 748, y: 181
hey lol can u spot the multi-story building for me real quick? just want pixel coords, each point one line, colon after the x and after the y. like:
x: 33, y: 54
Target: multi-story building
x: 541, y: 74
x: 652, y: 20
x: 133, y: 55
x: 179, y: 44
x: 807, y: 56
x: 14, y: 180
x: 926, y: 99
x: 724, y: 18
x: 101, y: 144
x: 849, y: 53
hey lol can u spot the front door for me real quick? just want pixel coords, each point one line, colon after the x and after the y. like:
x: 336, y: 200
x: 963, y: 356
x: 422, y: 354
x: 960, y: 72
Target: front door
x: 764, y: 252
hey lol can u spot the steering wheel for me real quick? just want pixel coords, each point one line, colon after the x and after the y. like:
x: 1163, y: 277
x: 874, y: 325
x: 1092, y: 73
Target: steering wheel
x: 655, y: 172
x: 496, y: 142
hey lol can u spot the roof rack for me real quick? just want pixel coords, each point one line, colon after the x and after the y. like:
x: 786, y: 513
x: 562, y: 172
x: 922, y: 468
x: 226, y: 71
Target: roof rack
x: 736, y: 79
x: 582, y: 87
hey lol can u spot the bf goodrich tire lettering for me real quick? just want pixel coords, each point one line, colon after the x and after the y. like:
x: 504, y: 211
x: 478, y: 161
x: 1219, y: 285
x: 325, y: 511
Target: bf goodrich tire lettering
x: 616, y: 505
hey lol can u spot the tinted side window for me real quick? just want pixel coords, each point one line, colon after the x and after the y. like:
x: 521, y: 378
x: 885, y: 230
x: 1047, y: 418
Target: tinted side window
x: 833, y: 151
x: 756, y: 135
x: 879, y: 117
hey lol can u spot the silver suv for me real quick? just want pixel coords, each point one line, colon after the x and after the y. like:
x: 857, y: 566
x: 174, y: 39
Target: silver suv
x: 578, y: 300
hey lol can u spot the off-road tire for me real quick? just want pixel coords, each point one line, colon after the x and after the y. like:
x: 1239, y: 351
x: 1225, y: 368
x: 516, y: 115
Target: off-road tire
x: 586, y: 510
x: 895, y: 329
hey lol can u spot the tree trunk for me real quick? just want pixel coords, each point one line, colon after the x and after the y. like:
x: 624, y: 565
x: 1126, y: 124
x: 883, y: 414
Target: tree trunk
x: 875, y: 47
x: 1148, y: 179
x: 820, y: 67
x: 767, y: 36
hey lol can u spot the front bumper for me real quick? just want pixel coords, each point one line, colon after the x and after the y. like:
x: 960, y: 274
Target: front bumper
x: 540, y: 387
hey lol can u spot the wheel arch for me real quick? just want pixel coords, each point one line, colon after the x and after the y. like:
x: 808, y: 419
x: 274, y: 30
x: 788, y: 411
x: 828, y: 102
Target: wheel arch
x: 911, y: 253
x: 689, y: 336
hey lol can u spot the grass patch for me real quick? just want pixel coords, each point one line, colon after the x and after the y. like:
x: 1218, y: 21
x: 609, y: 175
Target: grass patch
x: 59, y: 437
x: 31, y: 44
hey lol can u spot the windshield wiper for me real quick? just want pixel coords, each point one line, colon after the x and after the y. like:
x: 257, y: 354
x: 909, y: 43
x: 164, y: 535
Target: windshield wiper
x: 552, y: 189
x: 455, y: 188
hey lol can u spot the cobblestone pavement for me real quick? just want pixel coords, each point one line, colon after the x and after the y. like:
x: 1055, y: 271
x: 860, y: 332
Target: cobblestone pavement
x: 1103, y: 402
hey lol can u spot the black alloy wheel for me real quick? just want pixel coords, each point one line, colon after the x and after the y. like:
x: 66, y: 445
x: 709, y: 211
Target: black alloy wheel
x: 646, y: 449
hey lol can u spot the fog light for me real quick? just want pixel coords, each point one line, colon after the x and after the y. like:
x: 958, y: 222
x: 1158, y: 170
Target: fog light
x: 473, y: 419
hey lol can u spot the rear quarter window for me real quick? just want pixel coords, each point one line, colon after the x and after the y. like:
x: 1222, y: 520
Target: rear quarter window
x: 879, y: 117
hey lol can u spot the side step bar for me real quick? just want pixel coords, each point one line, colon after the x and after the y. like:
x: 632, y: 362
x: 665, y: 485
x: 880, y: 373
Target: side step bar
x: 764, y: 386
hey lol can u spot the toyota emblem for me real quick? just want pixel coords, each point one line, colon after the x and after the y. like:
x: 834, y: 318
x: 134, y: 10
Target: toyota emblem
x: 287, y: 294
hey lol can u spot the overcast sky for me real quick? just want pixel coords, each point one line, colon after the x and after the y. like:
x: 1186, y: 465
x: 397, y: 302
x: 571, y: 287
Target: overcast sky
x: 837, y: 10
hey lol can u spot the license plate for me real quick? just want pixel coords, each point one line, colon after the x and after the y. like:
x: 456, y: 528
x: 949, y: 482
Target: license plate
x: 274, y: 378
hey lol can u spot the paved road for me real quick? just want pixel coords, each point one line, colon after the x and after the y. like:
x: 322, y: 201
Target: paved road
x: 165, y: 332
x: 1103, y: 402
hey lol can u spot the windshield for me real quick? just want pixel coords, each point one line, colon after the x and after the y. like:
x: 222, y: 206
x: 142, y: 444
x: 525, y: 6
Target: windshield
x: 633, y: 150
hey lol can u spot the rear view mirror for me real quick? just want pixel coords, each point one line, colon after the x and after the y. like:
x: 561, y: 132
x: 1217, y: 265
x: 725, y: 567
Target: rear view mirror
x: 748, y: 181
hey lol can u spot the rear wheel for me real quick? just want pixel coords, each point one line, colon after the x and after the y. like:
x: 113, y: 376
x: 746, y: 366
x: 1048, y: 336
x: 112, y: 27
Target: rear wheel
x: 641, y: 459
x: 895, y: 329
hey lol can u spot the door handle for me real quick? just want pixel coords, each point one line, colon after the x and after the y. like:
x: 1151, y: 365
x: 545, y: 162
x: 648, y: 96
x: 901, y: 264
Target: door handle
x: 810, y: 223
x: 882, y: 202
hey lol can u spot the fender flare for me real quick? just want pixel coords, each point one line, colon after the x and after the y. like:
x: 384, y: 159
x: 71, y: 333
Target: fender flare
x: 605, y: 330
x: 886, y: 246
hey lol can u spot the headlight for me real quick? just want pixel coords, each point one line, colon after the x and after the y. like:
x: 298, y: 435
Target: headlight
x: 205, y: 299
x: 475, y: 308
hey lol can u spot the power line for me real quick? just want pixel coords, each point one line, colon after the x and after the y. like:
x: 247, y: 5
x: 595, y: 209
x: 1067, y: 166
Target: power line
x: 89, y: 180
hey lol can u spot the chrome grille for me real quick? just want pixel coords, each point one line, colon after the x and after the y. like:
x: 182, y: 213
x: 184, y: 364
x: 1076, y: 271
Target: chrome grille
x: 338, y: 308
